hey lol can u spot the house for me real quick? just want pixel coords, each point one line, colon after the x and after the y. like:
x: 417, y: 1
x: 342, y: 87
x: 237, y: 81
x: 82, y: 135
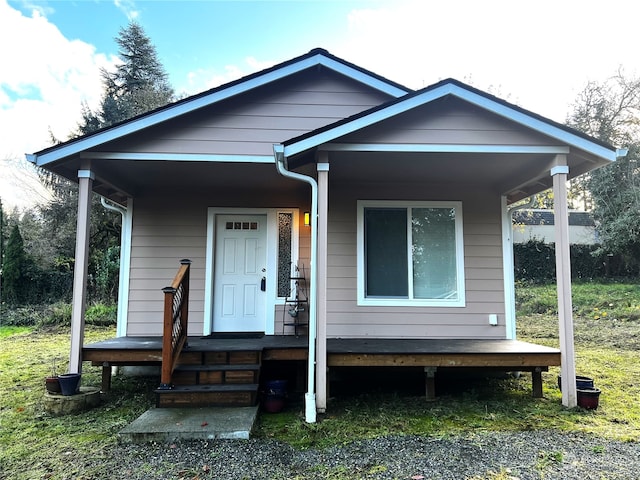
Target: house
x: 539, y: 225
x: 407, y: 258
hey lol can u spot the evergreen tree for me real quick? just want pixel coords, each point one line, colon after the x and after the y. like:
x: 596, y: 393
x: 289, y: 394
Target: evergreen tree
x: 138, y: 85
x: 2, y: 227
x: 14, y: 269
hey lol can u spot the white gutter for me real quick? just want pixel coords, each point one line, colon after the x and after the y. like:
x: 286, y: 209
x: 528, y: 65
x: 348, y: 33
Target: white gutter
x: 310, y: 396
x: 125, y: 261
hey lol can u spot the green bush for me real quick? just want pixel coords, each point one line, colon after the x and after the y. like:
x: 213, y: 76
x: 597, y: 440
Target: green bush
x: 101, y: 314
x: 57, y: 314
x: 24, y: 316
x: 535, y: 261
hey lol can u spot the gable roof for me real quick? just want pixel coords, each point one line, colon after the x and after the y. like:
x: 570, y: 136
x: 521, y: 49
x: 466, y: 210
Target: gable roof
x: 439, y: 90
x: 314, y: 58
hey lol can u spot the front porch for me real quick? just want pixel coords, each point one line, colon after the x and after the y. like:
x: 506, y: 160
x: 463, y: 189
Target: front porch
x: 274, y: 351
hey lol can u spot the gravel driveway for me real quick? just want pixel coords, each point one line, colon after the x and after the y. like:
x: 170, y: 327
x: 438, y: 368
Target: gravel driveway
x: 522, y: 455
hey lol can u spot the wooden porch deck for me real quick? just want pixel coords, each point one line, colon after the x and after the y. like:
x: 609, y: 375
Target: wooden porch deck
x: 430, y: 354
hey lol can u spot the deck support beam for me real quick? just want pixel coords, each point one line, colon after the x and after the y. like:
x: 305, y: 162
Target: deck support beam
x: 536, y: 382
x: 106, y: 378
x: 430, y: 383
x: 559, y: 174
x: 78, y: 305
x: 321, y: 279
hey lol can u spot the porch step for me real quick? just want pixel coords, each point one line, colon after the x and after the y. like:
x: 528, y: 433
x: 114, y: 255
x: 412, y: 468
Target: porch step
x: 216, y: 374
x: 208, y: 395
x: 213, y: 368
x: 213, y: 378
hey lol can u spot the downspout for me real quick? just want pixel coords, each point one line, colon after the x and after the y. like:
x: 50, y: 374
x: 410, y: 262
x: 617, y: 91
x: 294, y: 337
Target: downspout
x: 123, y: 280
x: 310, y: 396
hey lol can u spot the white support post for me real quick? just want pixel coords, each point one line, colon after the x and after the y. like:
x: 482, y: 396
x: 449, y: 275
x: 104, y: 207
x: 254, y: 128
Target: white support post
x: 85, y: 183
x: 321, y: 338
x: 563, y: 279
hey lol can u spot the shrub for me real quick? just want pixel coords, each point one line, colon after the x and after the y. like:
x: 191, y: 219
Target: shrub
x: 101, y: 314
x: 535, y: 261
x: 57, y: 314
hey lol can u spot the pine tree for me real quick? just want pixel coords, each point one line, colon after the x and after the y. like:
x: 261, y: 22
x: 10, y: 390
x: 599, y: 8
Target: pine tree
x: 138, y: 85
x: 14, y: 267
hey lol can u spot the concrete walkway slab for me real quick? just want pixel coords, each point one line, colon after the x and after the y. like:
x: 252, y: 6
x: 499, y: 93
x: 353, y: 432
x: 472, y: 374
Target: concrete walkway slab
x: 170, y: 424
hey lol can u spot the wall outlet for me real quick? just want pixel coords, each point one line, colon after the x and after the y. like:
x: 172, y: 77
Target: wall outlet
x: 493, y: 320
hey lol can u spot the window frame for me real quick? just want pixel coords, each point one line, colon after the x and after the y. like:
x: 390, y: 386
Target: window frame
x: 363, y: 300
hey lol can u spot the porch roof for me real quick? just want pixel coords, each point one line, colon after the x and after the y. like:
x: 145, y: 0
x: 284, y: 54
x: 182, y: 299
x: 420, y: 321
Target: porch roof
x: 516, y: 169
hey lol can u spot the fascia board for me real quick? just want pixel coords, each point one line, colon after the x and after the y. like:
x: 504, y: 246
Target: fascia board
x: 361, y: 77
x: 207, y: 100
x: 535, y: 124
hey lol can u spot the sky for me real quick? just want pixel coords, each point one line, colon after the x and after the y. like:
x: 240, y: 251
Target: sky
x: 537, y: 54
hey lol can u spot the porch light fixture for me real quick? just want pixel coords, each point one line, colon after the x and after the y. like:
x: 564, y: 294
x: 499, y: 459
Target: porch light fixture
x: 307, y: 219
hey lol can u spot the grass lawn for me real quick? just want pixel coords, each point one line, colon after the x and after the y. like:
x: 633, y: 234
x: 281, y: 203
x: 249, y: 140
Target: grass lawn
x: 607, y: 327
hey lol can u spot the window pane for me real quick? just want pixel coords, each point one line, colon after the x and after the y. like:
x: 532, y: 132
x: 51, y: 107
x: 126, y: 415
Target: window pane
x: 285, y: 225
x: 434, y: 253
x: 386, y: 264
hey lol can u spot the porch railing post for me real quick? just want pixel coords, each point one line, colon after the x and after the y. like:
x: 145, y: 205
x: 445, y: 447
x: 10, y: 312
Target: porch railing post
x: 175, y: 322
x: 184, y: 313
x: 167, y: 338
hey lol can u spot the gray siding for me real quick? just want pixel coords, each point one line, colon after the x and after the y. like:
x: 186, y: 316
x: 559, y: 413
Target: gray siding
x: 252, y: 123
x: 163, y: 234
x: 446, y: 122
x: 483, y: 271
x: 166, y: 230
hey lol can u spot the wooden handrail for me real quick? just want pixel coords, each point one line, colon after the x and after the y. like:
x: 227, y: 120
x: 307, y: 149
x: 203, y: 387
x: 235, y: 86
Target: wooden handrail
x: 176, y: 315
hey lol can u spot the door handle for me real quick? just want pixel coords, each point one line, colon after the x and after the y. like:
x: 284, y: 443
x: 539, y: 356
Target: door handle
x: 263, y: 284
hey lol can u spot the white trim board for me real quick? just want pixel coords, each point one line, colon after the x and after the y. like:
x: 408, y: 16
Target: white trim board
x: 507, y: 271
x: 441, y: 148
x: 125, y: 270
x: 178, y: 157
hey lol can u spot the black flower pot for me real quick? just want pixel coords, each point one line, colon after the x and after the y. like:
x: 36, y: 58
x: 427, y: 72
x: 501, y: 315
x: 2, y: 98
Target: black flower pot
x: 581, y: 382
x: 589, y: 398
x: 69, y: 383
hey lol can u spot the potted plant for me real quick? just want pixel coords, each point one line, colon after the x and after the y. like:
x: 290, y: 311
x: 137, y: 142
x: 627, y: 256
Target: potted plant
x: 69, y: 383
x: 52, y: 382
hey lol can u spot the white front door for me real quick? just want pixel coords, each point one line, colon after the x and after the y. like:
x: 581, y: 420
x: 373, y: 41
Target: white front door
x: 239, y: 297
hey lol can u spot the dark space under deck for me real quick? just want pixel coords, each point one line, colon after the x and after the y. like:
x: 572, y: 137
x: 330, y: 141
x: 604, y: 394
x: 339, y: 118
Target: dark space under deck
x: 430, y: 354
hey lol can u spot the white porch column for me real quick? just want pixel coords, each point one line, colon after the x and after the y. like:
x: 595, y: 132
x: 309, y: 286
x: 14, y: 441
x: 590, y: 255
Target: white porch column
x: 563, y: 278
x: 85, y: 183
x: 321, y: 338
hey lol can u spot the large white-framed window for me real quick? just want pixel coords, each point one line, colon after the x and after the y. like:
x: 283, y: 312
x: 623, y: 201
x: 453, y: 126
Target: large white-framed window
x: 410, y: 253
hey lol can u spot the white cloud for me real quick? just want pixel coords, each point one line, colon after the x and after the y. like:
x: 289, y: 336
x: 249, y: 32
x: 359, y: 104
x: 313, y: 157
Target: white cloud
x: 43, y: 81
x: 206, y: 78
x: 128, y: 7
x: 540, y: 54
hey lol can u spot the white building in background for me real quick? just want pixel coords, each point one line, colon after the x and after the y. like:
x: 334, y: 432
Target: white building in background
x: 535, y: 224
